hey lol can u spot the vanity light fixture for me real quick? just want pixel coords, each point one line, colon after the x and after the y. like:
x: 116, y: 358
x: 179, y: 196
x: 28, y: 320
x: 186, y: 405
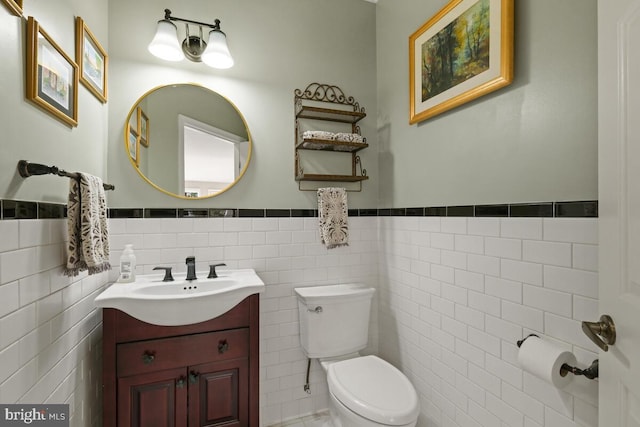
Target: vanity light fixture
x: 166, y: 43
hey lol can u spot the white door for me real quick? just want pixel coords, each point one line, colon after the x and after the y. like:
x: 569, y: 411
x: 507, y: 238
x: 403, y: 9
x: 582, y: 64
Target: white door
x: 619, y: 207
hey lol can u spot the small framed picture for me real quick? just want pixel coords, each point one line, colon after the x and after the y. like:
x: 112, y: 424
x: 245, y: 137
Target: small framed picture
x: 133, y: 142
x: 92, y: 61
x: 15, y: 6
x: 143, y: 127
x: 52, y: 76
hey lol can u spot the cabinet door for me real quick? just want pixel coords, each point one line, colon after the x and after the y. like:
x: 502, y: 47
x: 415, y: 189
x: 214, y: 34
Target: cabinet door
x: 157, y: 399
x: 219, y: 394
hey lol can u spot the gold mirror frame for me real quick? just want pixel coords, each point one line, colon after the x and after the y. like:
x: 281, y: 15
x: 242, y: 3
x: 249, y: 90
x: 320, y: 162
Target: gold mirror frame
x: 135, y: 112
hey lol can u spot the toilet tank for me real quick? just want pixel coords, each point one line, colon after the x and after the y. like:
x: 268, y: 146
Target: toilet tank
x: 334, y: 319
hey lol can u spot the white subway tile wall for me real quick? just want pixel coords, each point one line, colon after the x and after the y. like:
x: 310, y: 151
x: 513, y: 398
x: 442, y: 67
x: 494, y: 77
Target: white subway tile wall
x: 483, y: 284
x: 453, y: 296
x: 50, y: 332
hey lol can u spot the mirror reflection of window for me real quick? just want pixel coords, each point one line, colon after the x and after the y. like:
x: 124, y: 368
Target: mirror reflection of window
x: 211, y: 158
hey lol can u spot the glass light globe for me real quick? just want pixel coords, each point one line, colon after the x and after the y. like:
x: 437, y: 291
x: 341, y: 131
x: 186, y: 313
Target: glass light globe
x: 217, y: 54
x: 165, y: 44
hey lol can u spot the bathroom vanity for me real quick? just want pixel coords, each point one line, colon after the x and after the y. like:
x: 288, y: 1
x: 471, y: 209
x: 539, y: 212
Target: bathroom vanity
x: 202, y: 374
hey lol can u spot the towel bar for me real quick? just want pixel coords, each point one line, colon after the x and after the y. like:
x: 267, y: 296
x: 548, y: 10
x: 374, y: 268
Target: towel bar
x: 26, y: 169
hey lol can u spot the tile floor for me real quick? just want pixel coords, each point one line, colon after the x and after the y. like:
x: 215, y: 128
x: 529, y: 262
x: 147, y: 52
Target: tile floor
x: 321, y: 419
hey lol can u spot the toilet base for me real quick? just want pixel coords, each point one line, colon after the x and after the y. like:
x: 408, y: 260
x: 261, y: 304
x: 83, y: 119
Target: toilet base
x: 341, y: 416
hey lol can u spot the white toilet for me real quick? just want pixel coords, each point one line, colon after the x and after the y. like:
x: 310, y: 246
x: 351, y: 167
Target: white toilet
x: 365, y: 391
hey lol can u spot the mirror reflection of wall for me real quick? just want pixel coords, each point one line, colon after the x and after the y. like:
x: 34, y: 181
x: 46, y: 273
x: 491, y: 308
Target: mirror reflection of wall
x: 198, y: 142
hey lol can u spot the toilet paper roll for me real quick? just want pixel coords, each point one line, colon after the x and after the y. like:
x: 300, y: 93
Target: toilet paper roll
x: 544, y: 360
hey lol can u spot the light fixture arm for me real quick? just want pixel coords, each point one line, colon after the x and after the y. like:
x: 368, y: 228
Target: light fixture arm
x: 167, y: 16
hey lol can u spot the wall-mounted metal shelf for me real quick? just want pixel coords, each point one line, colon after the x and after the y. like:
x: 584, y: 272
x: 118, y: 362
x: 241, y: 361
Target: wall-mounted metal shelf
x: 330, y: 145
x: 328, y: 103
x: 329, y: 114
x: 325, y: 177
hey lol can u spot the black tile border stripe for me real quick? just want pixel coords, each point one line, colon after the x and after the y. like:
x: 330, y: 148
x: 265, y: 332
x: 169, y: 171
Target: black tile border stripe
x: 303, y: 213
x: 467, y: 211
x: 435, y: 211
x: 531, y: 210
x: 414, y: 211
x: 491, y: 210
x: 160, y: 213
x: 19, y: 209
x: 576, y: 209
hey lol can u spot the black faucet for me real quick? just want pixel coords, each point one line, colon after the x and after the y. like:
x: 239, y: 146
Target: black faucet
x: 212, y: 270
x: 191, y: 268
x: 167, y: 273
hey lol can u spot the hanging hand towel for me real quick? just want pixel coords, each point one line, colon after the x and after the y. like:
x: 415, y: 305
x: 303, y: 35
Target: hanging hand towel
x: 88, y: 247
x: 332, y: 215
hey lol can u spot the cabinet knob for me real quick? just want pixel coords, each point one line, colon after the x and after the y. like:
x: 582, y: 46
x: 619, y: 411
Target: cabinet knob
x: 223, y: 346
x: 148, y: 357
x: 193, y: 377
x: 180, y: 382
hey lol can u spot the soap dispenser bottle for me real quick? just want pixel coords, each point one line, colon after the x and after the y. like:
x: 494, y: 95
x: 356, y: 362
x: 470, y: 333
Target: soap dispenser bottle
x: 127, y: 265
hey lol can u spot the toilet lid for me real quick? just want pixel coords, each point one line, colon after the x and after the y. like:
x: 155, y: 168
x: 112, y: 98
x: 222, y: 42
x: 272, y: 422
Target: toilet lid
x: 374, y: 389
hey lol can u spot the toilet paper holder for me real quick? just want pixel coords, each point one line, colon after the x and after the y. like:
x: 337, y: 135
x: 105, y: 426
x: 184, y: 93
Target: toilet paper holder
x: 590, y: 373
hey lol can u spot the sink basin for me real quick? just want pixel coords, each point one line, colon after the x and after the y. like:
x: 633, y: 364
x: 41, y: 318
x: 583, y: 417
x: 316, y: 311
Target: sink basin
x: 181, y: 302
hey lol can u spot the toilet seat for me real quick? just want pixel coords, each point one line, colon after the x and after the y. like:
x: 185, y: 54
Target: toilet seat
x: 374, y: 389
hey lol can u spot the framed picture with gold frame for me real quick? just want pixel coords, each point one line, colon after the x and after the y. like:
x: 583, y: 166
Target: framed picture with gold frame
x: 463, y: 52
x: 92, y: 61
x: 133, y: 145
x: 52, y: 76
x: 15, y: 6
x: 143, y: 127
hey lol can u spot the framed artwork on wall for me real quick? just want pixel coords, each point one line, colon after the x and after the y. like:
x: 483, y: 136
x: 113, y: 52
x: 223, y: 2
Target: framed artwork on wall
x: 461, y: 53
x: 143, y: 127
x: 52, y: 76
x: 15, y: 6
x: 134, y: 145
x: 92, y: 61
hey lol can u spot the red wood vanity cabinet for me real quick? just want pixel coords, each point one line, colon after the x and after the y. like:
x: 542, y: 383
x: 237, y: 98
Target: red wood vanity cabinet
x: 205, y: 374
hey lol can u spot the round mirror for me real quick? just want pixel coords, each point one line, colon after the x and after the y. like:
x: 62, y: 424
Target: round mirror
x: 187, y: 141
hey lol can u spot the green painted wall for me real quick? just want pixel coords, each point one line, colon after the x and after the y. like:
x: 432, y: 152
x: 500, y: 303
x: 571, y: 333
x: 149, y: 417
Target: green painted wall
x: 535, y: 140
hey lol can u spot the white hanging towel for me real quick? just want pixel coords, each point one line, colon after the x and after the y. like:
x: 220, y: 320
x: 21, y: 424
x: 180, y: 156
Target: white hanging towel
x: 332, y: 216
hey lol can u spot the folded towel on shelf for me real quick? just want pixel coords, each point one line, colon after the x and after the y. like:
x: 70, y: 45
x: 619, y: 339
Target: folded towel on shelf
x: 333, y: 217
x: 88, y: 246
x: 318, y: 134
x: 349, y: 137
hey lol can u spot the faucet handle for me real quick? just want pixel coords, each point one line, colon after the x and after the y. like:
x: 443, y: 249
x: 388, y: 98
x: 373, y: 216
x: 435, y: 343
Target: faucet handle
x: 212, y: 270
x: 167, y: 273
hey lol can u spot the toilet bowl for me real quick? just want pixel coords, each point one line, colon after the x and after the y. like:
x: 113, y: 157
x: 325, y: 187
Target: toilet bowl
x: 365, y: 391
x: 368, y: 391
